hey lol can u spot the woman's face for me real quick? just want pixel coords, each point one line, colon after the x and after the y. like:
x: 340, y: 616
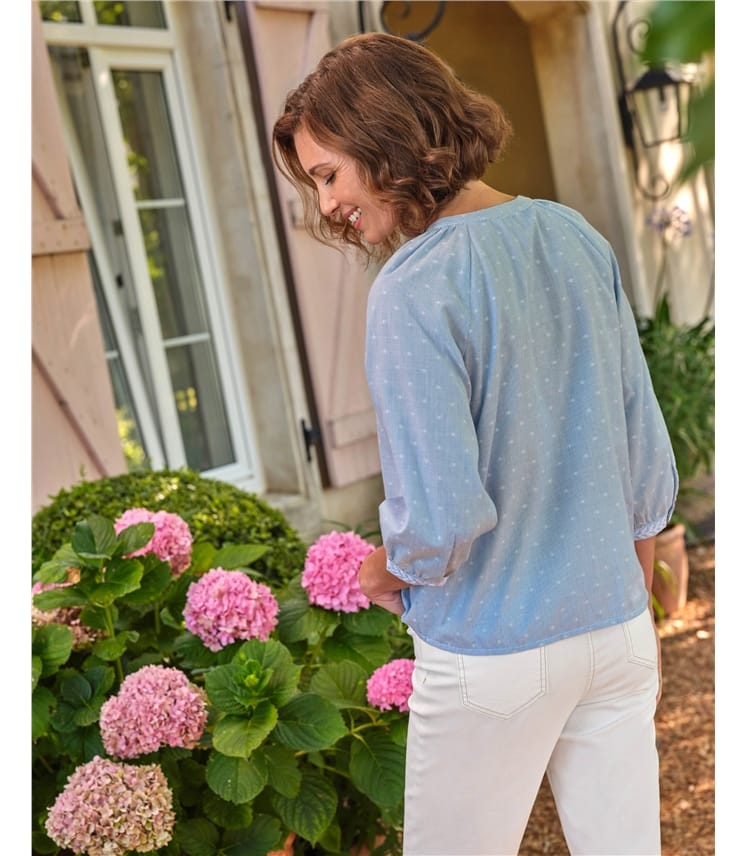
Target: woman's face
x: 341, y: 192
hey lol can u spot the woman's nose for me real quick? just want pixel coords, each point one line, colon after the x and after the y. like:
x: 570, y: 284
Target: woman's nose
x: 327, y: 202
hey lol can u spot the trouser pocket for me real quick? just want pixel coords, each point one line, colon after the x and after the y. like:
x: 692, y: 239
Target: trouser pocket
x: 502, y: 684
x: 640, y: 640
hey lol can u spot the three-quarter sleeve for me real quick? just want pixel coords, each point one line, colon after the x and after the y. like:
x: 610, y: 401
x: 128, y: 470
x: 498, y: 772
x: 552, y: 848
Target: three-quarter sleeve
x: 654, y: 479
x: 435, y: 502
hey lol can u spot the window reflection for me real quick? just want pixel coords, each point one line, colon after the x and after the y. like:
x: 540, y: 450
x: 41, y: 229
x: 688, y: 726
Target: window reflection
x: 60, y: 13
x: 142, y: 13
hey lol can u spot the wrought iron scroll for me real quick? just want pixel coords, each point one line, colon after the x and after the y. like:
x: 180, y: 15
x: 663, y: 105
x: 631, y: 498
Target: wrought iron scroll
x: 387, y: 13
x: 634, y: 39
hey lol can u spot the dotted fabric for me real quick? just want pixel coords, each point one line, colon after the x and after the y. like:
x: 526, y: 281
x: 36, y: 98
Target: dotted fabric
x: 522, y: 448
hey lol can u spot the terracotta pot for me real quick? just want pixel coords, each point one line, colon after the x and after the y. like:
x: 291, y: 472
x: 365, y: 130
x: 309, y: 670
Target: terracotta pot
x: 670, y: 586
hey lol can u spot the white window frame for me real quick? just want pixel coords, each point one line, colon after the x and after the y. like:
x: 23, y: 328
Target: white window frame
x: 141, y: 49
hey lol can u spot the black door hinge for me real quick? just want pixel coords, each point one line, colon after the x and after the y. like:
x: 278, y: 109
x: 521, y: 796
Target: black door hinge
x: 312, y: 436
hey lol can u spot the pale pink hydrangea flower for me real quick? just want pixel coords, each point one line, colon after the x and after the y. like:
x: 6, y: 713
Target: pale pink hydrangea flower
x: 109, y: 809
x: 171, y: 542
x: 83, y: 636
x: 390, y: 685
x: 224, y: 606
x: 330, y: 574
x: 156, y: 706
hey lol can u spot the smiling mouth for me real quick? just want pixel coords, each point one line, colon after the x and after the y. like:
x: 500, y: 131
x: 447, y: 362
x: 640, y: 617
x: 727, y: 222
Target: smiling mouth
x: 354, y: 217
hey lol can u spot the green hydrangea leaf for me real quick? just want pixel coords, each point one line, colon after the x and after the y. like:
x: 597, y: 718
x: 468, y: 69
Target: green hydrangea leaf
x: 55, y: 570
x: 42, y: 702
x: 367, y: 651
x: 344, y: 684
x: 330, y: 841
x: 203, y: 557
x: 368, y: 622
x: 298, y: 620
x: 232, y: 556
x: 60, y: 597
x: 41, y: 843
x: 168, y: 620
x: 81, y: 742
x: 75, y: 689
x: 312, y: 811
x: 37, y: 666
x: 52, y: 643
x: 112, y: 649
x: 155, y: 579
x: 239, y: 736
x: 95, y: 617
x: 186, y: 776
x: 278, y: 660
x: 236, y: 780
x: 262, y: 836
x: 377, y: 768
x: 122, y: 576
x: 282, y: 768
x: 95, y: 538
x: 226, y: 814
x: 193, y: 654
x: 236, y: 687
x: 309, y: 722
x: 197, y: 837
x: 134, y: 537
x: 398, y: 730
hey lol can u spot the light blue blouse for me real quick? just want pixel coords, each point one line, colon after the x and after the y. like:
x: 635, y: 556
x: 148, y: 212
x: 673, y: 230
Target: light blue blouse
x: 522, y: 448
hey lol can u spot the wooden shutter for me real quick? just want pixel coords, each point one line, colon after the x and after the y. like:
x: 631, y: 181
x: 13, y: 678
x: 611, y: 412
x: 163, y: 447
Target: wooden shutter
x: 331, y: 289
x: 74, y: 426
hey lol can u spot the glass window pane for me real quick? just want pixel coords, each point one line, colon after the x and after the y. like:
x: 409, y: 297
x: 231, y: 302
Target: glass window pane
x: 129, y: 431
x: 60, y: 13
x: 199, y: 402
x: 173, y: 267
x: 141, y: 13
x: 174, y: 272
x: 151, y: 153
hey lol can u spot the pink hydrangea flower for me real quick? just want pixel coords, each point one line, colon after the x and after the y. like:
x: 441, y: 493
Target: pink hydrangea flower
x: 224, y: 606
x: 156, y: 706
x: 330, y: 574
x: 109, y: 809
x: 83, y: 636
x: 390, y: 685
x: 171, y: 542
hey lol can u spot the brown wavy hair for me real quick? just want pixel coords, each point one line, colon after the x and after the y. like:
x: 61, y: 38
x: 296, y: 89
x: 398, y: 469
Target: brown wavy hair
x: 416, y: 132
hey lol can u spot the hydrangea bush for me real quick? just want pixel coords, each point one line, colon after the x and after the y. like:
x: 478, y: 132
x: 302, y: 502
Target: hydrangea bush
x: 182, y: 705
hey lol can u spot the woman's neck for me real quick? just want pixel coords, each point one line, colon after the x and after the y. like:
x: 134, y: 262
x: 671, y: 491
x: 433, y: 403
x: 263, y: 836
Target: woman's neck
x: 474, y: 196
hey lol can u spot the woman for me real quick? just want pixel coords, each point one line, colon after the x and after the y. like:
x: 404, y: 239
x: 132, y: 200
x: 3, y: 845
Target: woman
x: 526, y: 464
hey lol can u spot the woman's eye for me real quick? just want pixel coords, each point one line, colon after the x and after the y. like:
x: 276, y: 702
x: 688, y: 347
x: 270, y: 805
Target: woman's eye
x: 329, y: 179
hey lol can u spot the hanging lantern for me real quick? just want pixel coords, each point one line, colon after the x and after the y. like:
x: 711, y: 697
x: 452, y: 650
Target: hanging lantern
x: 659, y: 103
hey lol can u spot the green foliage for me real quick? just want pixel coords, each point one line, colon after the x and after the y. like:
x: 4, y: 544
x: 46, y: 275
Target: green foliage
x: 681, y: 361
x: 216, y: 512
x: 684, y: 31
x: 291, y: 744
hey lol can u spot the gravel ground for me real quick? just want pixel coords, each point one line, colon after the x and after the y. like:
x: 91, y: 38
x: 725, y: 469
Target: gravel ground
x: 685, y: 730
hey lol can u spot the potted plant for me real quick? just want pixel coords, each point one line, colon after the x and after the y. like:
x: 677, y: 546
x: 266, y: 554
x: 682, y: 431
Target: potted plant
x: 681, y: 361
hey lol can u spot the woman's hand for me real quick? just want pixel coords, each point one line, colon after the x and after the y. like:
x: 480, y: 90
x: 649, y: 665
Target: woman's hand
x: 378, y: 585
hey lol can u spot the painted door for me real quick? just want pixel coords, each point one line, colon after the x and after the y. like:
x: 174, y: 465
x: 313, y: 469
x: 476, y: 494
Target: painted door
x: 330, y: 288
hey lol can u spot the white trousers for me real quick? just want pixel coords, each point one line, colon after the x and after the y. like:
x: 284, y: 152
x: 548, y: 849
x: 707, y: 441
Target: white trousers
x: 484, y: 729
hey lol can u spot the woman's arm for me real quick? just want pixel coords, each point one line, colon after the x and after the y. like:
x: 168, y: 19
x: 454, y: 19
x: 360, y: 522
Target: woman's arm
x: 645, y: 551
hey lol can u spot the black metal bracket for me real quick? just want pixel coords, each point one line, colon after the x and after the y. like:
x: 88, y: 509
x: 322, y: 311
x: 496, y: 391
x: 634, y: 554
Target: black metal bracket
x: 406, y: 9
x: 312, y: 436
